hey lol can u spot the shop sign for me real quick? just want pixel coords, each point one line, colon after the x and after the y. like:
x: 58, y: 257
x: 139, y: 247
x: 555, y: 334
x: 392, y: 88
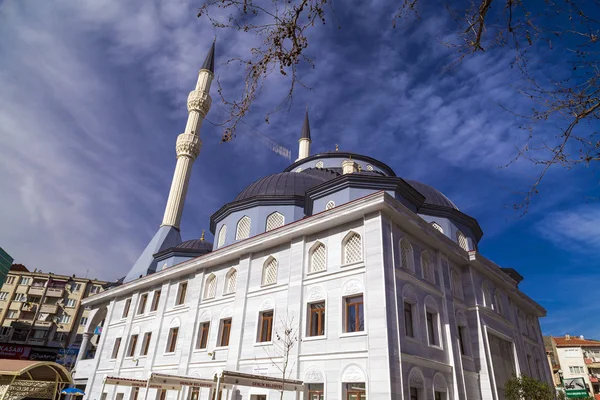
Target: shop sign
x: 41, y: 354
x: 575, y: 387
x: 14, y: 352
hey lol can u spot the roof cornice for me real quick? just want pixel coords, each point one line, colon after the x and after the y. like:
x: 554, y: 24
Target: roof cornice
x: 446, y: 212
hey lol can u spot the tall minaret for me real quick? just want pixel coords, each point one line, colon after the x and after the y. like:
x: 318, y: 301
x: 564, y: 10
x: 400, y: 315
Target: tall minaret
x: 189, y: 143
x: 187, y: 147
x: 304, y: 141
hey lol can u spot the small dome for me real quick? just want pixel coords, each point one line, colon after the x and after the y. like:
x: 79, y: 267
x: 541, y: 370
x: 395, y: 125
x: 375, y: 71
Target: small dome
x: 283, y: 184
x: 432, y: 195
x: 195, y: 245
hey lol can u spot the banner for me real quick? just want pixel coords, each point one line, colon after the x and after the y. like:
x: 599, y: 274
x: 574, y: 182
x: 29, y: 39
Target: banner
x: 14, y: 352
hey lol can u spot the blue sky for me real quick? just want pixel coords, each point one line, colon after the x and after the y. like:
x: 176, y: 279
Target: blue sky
x: 93, y: 97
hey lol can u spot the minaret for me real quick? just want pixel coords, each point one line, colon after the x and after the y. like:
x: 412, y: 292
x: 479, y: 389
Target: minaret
x: 304, y: 142
x: 187, y: 147
x: 189, y: 143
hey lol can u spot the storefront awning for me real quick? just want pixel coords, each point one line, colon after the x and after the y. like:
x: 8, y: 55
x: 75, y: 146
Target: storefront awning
x: 260, y: 381
x: 35, y: 370
x: 117, y: 380
x: 175, y: 382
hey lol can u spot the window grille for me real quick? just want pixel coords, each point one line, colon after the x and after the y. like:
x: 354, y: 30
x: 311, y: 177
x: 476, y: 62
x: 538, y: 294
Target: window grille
x: 274, y: 220
x: 352, y: 249
x: 426, y: 266
x: 330, y: 204
x: 318, y: 258
x: 369, y: 167
x: 243, y: 228
x: 231, y: 281
x: 270, y: 272
x: 462, y: 240
x: 222, y: 233
x: 406, y: 254
x: 319, y: 164
x: 211, y: 287
x: 437, y: 226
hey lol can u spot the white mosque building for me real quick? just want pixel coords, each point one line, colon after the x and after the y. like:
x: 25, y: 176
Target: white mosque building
x: 374, y: 282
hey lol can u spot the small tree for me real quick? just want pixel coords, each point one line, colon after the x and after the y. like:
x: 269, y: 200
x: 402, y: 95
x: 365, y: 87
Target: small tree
x: 526, y: 388
x: 286, y: 337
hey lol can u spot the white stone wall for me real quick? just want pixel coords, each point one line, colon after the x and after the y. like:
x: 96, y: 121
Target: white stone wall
x: 388, y: 361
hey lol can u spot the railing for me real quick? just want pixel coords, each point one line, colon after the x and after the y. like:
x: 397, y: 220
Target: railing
x: 29, y: 307
x: 43, y: 324
x: 49, y: 308
x: 36, y: 290
x: 54, y: 292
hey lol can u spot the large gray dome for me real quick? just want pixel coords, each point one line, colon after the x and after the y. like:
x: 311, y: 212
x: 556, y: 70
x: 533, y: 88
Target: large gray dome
x: 284, y: 184
x: 432, y: 195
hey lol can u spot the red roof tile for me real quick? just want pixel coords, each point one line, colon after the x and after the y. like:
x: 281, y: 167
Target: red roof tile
x: 575, y: 341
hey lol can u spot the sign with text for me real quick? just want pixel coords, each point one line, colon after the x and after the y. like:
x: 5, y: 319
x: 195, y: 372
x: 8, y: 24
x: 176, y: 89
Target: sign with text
x: 14, y: 352
x: 575, y: 387
x: 259, y: 381
x: 43, y: 354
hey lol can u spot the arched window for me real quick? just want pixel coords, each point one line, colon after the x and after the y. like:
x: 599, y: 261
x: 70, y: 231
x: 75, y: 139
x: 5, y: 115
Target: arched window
x: 407, y: 259
x: 231, y: 281
x: 210, y: 287
x: 461, y: 239
x: 274, y: 220
x: 456, y: 284
x: 317, y: 258
x: 487, y: 297
x: 426, y: 267
x: 437, y: 226
x: 352, y: 248
x: 498, y: 301
x: 222, y: 233
x: 269, y: 275
x: 330, y: 204
x: 416, y: 384
x: 243, y: 228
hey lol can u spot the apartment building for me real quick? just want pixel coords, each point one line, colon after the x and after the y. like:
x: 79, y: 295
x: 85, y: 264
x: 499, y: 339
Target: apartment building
x: 578, y: 357
x: 5, y: 263
x: 41, y: 316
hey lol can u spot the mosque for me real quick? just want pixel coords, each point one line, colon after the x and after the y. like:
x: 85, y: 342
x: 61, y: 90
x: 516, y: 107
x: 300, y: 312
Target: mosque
x: 332, y: 279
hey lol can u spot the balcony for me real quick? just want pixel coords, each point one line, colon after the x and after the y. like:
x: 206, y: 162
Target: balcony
x: 49, y: 308
x: 55, y: 292
x: 593, y: 378
x: 15, y: 305
x: 43, y: 324
x: 31, y: 307
x: 36, y: 290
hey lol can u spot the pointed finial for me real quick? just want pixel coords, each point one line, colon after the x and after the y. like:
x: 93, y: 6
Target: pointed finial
x: 202, y: 237
x: 306, y: 127
x: 209, y: 61
x: 337, y: 147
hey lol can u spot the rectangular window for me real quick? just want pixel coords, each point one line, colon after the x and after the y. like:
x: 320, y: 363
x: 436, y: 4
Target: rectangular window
x: 155, y: 299
x: 134, y: 393
x: 83, y: 321
x: 95, y: 289
x: 142, y: 306
x: 115, y: 351
x: 431, y: 328
x: 316, y: 391
x: 355, y: 391
x: 355, y: 318
x: 146, y: 344
x: 24, y: 281
x: 40, y: 334
x: 103, y: 396
x: 414, y: 394
x: 126, y: 308
x: 194, y: 394
x: 120, y: 396
x: 161, y: 394
x: 10, y: 280
x: 11, y: 314
x: 462, y: 336
x: 181, y: 293
x: 75, y: 287
x: 225, y: 331
x: 3, y: 295
x: 316, y: 319
x: 22, y: 297
x: 70, y: 303
x: 265, y: 326
x: 408, y: 320
x: 203, y: 335
x: 132, y: 345
x: 35, y: 299
x: 64, y: 319
x: 439, y: 396
x: 172, y: 342
x: 5, y: 330
x: 60, y: 336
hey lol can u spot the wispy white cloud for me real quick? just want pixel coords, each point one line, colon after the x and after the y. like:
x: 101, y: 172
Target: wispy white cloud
x: 573, y: 230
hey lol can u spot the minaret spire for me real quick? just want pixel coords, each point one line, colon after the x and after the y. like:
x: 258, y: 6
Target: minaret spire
x: 188, y: 143
x: 305, y: 141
